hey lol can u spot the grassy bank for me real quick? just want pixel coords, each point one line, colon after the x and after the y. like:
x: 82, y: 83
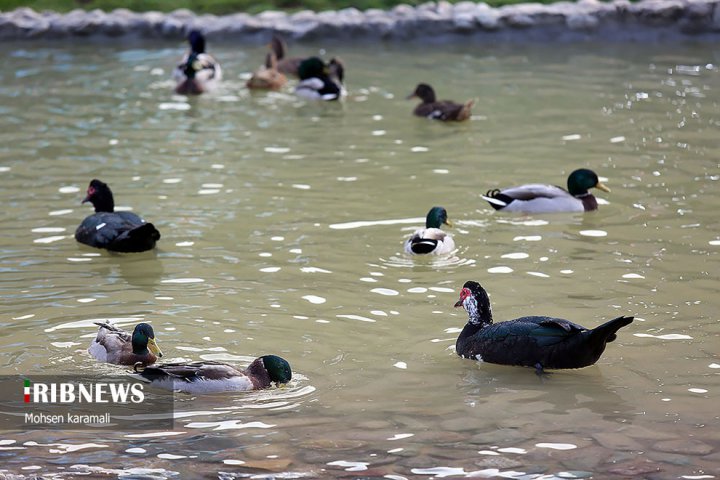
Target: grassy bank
x: 218, y: 7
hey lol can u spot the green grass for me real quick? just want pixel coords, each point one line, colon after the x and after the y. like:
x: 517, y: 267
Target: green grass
x: 218, y: 7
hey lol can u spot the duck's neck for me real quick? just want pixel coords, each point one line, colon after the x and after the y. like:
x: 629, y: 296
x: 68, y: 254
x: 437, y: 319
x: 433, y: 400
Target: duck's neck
x: 258, y: 374
x: 104, y: 205
x: 589, y: 201
x: 139, y: 349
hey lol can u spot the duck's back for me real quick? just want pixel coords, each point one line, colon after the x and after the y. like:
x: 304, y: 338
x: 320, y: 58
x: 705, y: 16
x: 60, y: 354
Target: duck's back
x: 538, y: 198
x: 443, y: 110
x: 117, y: 231
x: 528, y: 341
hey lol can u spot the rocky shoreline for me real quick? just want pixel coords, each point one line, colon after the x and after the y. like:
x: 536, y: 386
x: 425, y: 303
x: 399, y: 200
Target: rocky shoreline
x: 619, y: 20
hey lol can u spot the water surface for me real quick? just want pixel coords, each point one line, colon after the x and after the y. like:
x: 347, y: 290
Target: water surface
x: 282, y: 225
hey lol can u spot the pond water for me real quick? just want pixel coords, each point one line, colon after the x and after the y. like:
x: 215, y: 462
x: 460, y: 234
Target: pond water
x: 282, y: 225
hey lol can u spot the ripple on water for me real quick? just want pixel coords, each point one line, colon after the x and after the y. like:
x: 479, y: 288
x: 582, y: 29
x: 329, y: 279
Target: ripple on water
x: 314, y: 299
x: 593, y: 233
x: 350, y: 466
x: 500, y: 269
x: 385, y: 291
x: 556, y: 446
x: 667, y: 336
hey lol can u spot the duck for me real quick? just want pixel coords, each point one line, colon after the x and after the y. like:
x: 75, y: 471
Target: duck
x: 285, y: 65
x: 111, y: 230
x: 114, y: 345
x: 267, y: 77
x: 319, y: 81
x: 198, y: 71
x: 540, y: 342
x: 539, y: 198
x: 445, y: 110
x: 431, y: 239
x: 215, y: 377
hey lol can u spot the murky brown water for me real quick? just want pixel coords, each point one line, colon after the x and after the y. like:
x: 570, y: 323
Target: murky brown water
x: 261, y: 201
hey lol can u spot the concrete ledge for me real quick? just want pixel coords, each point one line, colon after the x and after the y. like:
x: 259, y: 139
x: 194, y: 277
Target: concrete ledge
x: 619, y: 20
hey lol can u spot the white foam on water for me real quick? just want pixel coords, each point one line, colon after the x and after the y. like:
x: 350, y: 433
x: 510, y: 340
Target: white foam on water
x: 183, y: 280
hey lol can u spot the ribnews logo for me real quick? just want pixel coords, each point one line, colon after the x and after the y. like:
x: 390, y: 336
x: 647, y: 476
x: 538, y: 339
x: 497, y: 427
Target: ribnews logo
x: 108, y: 392
x: 83, y: 402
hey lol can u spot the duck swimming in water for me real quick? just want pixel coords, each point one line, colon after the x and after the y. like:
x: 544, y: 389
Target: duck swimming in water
x: 214, y: 377
x: 114, y: 345
x: 534, y: 341
x: 431, y: 239
x: 540, y: 198
x: 197, y: 72
x: 115, y: 231
x: 445, y: 110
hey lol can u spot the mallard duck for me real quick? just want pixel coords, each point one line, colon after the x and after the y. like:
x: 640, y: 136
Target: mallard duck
x: 115, y: 231
x: 319, y: 81
x: 539, y: 198
x: 113, y: 345
x: 213, y: 377
x: 536, y: 341
x: 198, y: 71
x: 431, y: 239
x: 267, y: 77
x: 445, y: 110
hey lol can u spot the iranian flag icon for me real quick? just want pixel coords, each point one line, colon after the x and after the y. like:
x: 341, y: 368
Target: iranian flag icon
x: 26, y: 391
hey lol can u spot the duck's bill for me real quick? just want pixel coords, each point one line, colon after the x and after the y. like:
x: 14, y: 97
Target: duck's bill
x: 459, y: 303
x: 153, y: 347
x: 602, y: 187
x: 448, y: 223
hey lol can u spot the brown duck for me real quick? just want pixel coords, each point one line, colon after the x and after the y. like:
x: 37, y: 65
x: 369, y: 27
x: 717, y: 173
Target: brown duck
x: 445, y: 110
x: 267, y: 77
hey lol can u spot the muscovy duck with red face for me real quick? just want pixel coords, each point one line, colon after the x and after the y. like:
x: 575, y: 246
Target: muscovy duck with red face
x: 533, y: 341
x: 115, y: 231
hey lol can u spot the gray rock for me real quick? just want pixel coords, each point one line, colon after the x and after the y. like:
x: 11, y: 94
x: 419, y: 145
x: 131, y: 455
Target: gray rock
x: 618, y: 20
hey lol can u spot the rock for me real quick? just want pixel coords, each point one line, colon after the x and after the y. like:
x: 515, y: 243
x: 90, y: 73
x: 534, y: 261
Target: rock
x: 687, y: 446
x: 617, y: 441
x: 635, y: 468
x: 643, y: 20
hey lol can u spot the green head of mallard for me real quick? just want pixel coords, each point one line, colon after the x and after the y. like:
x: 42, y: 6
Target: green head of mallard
x: 278, y: 368
x: 582, y: 180
x: 143, y: 339
x: 312, y: 67
x: 437, y: 217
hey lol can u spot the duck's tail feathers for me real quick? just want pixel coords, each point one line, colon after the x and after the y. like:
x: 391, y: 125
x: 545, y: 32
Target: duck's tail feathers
x: 107, y: 325
x: 497, y: 199
x: 607, y: 331
x: 423, y: 245
x: 465, y: 111
x: 138, y: 239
